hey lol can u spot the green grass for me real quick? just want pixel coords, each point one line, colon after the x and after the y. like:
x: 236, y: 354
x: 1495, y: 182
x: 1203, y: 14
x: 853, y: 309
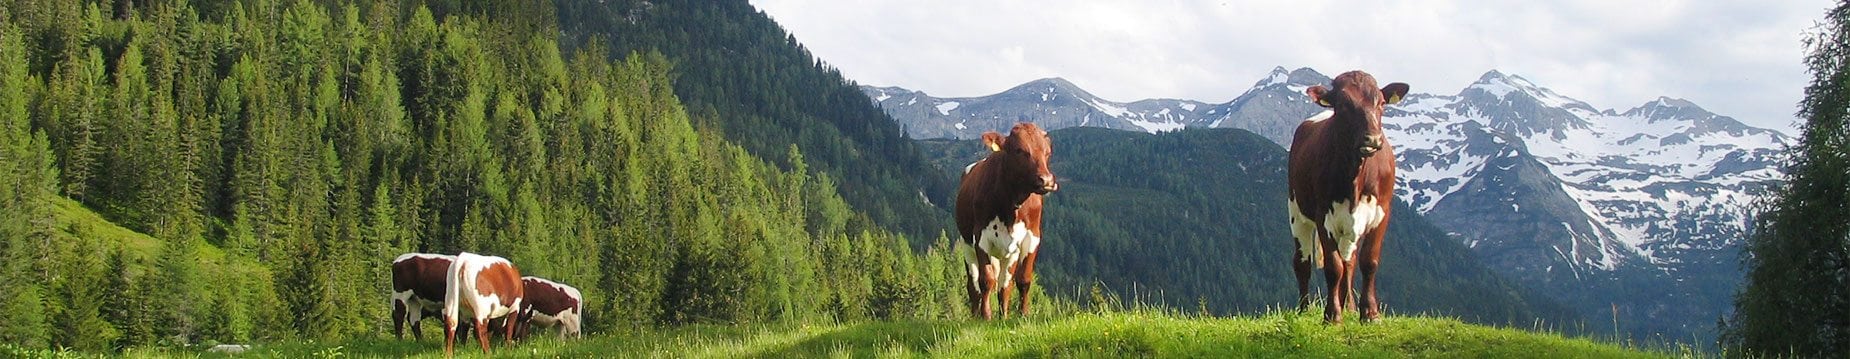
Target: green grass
x: 73, y: 220
x: 1115, y: 335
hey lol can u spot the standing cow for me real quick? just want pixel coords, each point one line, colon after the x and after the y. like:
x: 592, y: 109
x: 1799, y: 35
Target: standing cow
x: 417, y: 290
x: 986, y: 212
x: 488, y: 287
x: 1029, y: 214
x: 1342, y: 189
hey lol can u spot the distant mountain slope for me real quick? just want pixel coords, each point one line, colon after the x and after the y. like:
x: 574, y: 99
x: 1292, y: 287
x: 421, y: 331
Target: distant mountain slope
x: 1601, y: 208
x: 741, y: 73
x: 1193, y: 218
x: 1053, y: 102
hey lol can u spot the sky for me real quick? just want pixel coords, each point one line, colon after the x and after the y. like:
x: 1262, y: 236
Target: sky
x: 1736, y: 58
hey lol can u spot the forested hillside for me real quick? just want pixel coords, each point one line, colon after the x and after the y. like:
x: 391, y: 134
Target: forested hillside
x: 1195, y: 219
x: 278, y: 154
x: 733, y: 60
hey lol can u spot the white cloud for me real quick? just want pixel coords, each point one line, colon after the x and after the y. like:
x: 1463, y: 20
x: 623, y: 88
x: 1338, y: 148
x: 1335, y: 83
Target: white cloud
x: 1737, y: 58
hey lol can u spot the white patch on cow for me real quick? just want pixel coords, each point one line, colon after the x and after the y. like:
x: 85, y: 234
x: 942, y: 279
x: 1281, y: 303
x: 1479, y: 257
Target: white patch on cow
x: 999, y: 240
x: 1004, y: 244
x: 973, y: 263
x: 1346, y: 223
x: 406, y: 256
x: 1305, y: 231
x: 1029, y: 241
x: 1320, y: 116
x: 408, y: 299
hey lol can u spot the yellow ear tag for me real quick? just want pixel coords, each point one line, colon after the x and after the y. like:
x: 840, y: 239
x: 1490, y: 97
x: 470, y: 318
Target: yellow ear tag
x: 1393, y: 99
x: 993, y: 147
x: 1323, y: 102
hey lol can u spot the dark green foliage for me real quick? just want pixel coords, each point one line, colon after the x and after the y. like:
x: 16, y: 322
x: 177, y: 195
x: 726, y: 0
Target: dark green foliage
x: 27, y: 179
x: 279, y: 154
x: 1797, y: 297
x: 1196, y: 218
x: 768, y: 93
x: 127, y: 303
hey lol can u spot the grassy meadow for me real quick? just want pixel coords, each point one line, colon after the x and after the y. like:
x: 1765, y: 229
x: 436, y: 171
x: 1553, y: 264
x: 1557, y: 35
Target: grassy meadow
x: 1136, y: 334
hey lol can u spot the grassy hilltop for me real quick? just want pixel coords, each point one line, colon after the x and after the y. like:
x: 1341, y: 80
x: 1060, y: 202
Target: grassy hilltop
x: 1119, y: 334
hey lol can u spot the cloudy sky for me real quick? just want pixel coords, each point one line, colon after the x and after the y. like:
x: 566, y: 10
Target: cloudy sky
x: 1733, y: 57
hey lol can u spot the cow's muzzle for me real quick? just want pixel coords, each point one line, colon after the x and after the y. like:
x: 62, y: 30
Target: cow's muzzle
x: 1046, y: 184
x: 1370, y: 144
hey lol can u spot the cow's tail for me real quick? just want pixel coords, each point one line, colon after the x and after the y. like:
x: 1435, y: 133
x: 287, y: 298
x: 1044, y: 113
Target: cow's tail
x: 1316, y: 253
x: 452, y: 298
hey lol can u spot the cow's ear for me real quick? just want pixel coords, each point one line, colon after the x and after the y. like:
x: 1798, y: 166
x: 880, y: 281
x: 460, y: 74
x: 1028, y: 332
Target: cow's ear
x: 1394, y: 92
x: 1316, y: 95
x: 992, y: 140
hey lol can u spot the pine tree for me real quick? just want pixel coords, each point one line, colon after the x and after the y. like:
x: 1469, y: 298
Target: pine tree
x: 1797, y: 296
x: 26, y: 182
x: 126, y: 305
x: 80, y: 325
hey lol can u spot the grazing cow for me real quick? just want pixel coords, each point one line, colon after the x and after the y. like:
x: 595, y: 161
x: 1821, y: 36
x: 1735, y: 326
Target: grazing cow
x: 991, y: 193
x: 1342, y: 189
x: 551, y: 304
x: 417, y: 290
x: 1029, y: 214
x: 489, y: 287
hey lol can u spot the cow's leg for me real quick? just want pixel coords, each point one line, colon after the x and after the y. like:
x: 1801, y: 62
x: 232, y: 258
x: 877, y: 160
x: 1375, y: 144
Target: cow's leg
x: 398, y: 319
x: 1370, y: 262
x: 1301, y: 264
x: 512, y: 322
x: 449, y: 335
x: 1333, y: 271
x: 1004, y: 281
x: 989, y: 288
x: 1024, y: 280
x: 481, y: 334
x: 974, y: 264
x: 1348, y: 284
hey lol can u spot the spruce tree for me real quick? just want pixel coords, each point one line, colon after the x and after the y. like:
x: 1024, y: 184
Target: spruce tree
x: 26, y: 182
x: 1797, y: 296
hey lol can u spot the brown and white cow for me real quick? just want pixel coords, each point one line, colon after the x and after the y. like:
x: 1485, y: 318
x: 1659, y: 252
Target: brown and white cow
x: 1341, y: 175
x: 552, y: 304
x: 418, y: 287
x: 1029, y: 214
x: 488, y: 287
x: 991, y: 193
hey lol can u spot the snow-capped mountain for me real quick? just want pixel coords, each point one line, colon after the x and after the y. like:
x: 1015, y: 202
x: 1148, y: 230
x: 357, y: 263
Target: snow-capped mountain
x: 1600, y: 206
x: 1050, y: 102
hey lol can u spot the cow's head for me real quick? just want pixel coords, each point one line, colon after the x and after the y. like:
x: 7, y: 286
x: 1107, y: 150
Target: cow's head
x: 1357, y: 102
x: 1023, y: 157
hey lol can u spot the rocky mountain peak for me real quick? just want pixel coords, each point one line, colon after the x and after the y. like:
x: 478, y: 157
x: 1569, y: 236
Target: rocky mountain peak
x: 1050, y: 85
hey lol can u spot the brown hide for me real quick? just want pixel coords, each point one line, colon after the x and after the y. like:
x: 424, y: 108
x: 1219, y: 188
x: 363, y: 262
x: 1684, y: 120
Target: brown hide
x: 1341, y: 159
x: 995, y: 189
x: 422, y: 274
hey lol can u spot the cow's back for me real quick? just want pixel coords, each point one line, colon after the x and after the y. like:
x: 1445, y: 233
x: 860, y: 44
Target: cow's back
x: 550, y: 297
x: 1303, y: 167
x: 422, y: 274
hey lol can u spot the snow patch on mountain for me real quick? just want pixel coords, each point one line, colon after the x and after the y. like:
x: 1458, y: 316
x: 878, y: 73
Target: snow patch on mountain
x: 946, y: 107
